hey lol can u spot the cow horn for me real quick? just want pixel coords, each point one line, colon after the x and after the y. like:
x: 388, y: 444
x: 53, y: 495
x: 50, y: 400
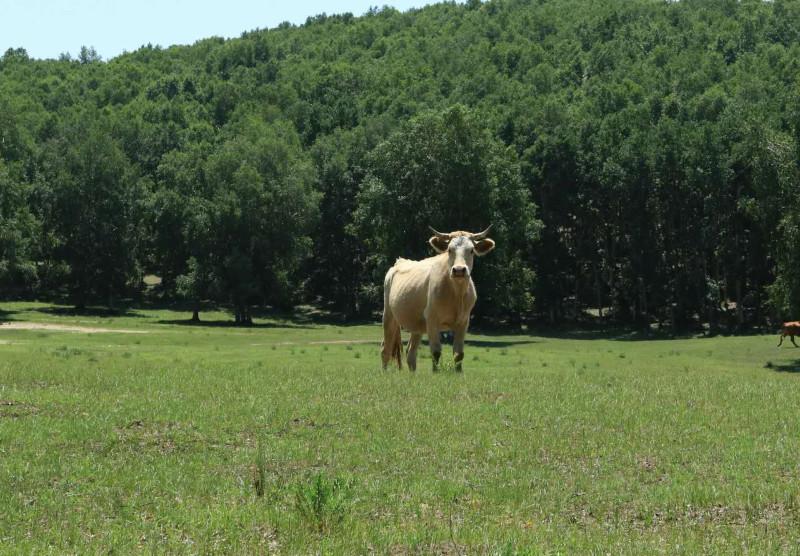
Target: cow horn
x: 481, y: 235
x: 439, y: 234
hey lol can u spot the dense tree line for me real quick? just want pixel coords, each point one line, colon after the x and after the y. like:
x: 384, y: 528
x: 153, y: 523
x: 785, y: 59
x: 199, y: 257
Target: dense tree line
x: 637, y: 157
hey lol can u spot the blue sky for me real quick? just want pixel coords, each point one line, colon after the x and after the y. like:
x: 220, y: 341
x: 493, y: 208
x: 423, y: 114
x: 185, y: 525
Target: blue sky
x: 47, y: 28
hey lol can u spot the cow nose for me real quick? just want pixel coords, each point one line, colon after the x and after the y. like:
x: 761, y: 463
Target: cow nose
x: 459, y: 271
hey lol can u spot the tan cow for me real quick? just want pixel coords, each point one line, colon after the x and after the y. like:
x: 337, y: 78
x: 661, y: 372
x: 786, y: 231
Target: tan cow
x: 432, y: 295
x: 790, y: 329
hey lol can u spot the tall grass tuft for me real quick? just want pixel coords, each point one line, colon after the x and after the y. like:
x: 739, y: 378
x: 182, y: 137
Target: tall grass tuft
x: 260, y: 470
x: 322, y: 502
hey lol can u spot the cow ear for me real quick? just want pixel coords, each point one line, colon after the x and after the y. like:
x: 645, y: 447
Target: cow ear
x: 439, y: 245
x: 483, y: 246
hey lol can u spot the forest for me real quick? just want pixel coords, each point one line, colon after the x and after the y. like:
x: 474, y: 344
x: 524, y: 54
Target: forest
x: 638, y: 160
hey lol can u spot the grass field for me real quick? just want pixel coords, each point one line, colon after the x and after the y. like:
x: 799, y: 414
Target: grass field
x: 288, y: 437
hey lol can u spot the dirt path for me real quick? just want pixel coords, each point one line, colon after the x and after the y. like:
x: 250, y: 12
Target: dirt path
x: 344, y: 342
x: 318, y: 343
x: 64, y: 328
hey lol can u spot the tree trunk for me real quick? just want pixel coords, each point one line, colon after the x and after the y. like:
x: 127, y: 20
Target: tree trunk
x: 739, y: 306
x: 80, y: 300
x: 242, y: 314
x: 598, y: 291
x: 673, y: 317
x: 712, y: 319
x: 641, y: 317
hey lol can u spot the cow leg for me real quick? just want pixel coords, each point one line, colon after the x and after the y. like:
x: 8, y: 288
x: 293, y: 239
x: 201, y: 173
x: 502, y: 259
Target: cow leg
x: 781, y: 340
x: 436, y: 345
x: 458, y: 347
x: 792, y: 339
x: 411, y: 356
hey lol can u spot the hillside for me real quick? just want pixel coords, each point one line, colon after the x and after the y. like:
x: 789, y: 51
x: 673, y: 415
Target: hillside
x: 634, y: 156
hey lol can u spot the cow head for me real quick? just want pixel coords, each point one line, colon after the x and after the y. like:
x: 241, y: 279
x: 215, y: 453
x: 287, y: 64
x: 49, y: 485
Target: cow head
x: 461, y: 247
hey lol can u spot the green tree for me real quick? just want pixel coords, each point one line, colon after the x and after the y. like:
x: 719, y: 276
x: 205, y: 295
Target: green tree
x: 336, y: 268
x: 248, y: 233
x: 443, y: 169
x: 19, y: 231
x: 90, y: 200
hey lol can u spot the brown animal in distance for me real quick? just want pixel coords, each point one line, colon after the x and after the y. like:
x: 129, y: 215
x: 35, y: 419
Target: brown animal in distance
x: 432, y: 295
x: 791, y: 329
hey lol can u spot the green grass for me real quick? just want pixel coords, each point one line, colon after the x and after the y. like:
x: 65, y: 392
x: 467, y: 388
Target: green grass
x: 198, y: 439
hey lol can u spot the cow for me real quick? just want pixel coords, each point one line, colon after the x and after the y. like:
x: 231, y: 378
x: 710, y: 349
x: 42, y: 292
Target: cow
x: 790, y: 329
x: 432, y: 295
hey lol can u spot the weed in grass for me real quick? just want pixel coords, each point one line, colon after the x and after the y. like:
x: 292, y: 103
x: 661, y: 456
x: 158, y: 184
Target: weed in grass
x: 67, y: 352
x: 324, y: 348
x: 446, y: 365
x: 622, y: 356
x: 260, y: 470
x: 14, y: 409
x: 349, y: 347
x: 273, y: 348
x: 302, y: 351
x: 127, y: 355
x: 138, y: 342
x: 544, y: 363
x: 768, y: 365
x: 572, y: 363
x: 322, y: 502
x: 504, y: 351
x: 357, y: 355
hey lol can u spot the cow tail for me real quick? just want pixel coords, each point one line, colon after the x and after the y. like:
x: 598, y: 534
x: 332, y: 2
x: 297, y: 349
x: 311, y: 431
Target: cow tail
x: 392, y: 346
x: 398, y: 348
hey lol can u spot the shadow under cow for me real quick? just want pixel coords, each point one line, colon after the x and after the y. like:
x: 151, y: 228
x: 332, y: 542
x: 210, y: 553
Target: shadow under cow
x: 785, y: 367
x: 232, y: 324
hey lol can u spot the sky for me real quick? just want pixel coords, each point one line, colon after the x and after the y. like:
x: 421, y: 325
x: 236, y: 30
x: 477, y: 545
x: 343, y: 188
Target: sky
x: 48, y: 28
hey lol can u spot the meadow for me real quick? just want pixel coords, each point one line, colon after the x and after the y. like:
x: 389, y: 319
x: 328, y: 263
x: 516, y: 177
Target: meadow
x: 288, y: 437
